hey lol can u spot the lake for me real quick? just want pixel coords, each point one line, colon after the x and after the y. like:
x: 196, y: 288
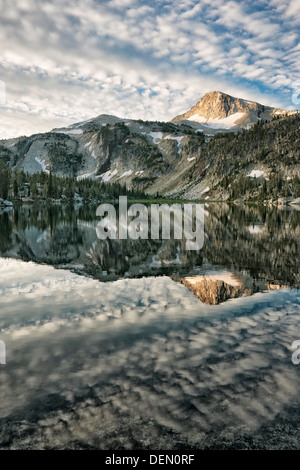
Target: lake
x: 108, y: 347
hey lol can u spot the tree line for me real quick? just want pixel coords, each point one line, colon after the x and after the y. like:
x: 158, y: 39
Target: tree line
x: 17, y: 185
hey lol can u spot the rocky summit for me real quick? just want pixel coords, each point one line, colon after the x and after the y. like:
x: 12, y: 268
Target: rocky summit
x: 219, y: 110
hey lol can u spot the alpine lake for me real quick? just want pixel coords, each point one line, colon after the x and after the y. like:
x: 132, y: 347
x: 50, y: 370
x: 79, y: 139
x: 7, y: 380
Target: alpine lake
x: 143, y: 344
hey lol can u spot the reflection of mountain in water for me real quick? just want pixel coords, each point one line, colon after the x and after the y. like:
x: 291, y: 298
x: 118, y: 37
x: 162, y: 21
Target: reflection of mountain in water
x: 142, y: 364
x: 264, y: 242
x: 65, y: 237
x: 216, y: 287
x: 261, y: 243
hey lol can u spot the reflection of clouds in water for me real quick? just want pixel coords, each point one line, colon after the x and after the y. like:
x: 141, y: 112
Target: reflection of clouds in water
x: 138, y: 363
x: 34, y: 295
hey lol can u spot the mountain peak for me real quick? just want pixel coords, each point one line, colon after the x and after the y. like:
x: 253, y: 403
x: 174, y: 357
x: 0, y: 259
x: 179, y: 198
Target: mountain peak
x: 220, y: 110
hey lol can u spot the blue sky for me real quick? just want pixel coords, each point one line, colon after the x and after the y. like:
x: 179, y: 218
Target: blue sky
x: 64, y: 61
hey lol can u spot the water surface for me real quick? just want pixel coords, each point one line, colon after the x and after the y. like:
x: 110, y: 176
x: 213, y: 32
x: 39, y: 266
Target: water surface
x: 138, y: 362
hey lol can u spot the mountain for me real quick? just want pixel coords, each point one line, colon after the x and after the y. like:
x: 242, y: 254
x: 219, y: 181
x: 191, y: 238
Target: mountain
x: 152, y: 156
x: 183, y: 159
x: 259, y: 164
x: 218, y: 110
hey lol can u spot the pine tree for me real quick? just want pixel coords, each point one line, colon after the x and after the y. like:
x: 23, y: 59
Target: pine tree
x: 33, y: 189
x: 50, y: 186
x: 15, y: 187
x: 4, y: 180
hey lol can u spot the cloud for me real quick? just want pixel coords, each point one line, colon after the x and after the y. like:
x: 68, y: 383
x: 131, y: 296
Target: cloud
x: 68, y: 61
x: 289, y: 10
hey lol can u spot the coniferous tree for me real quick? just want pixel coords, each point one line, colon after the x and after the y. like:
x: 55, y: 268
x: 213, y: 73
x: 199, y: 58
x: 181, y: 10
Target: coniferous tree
x: 4, y: 180
x: 50, y: 186
x: 15, y: 187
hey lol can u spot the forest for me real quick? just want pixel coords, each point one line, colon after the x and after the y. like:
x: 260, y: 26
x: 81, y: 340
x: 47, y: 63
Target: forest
x: 17, y: 185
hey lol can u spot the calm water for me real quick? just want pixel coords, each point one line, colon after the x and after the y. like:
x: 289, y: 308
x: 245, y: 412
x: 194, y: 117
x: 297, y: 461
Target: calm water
x: 137, y: 361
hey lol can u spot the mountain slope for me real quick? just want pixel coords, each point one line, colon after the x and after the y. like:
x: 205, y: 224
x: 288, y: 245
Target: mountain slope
x: 219, y: 110
x: 174, y: 159
x: 135, y: 153
x: 262, y: 163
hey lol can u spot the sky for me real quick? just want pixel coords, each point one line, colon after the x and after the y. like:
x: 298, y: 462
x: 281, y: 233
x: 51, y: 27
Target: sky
x: 63, y: 61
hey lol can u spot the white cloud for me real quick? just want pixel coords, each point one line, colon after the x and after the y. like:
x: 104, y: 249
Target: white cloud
x: 72, y: 61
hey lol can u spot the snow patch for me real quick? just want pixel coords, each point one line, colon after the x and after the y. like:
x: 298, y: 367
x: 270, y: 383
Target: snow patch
x: 206, y: 190
x: 215, y: 123
x: 178, y: 139
x: 108, y: 175
x: 43, y: 165
x: 85, y: 175
x: 255, y: 229
x: 83, y: 123
x: 126, y: 173
x: 70, y: 131
x: 156, y: 136
x: 257, y: 174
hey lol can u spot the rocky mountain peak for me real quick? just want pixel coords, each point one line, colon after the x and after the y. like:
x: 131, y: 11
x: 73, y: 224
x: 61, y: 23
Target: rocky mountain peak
x: 217, y: 105
x: 220, y: 110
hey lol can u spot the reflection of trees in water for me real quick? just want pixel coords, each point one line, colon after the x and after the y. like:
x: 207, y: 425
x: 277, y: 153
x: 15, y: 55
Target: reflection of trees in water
x: 62, y: 247
x: 64, y: 244
x: 5, y: 232
x: 71, y: 238
x: 271, y: 251
x: 139, y: 257
x: 43, y: 217
x: 264, y: 241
